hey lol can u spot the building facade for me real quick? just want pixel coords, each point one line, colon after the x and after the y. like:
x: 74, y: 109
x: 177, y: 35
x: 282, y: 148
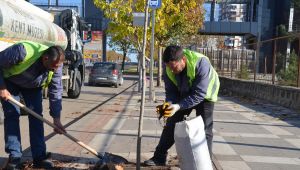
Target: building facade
x: 233, y: 13
x: 74, y: 4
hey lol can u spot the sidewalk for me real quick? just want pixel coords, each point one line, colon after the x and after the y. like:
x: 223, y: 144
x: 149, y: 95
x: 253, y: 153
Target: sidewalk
x: 247, y: 134
x: 252, y: 134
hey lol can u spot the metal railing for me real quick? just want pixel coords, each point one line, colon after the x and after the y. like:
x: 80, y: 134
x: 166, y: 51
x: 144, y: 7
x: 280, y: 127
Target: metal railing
x: 275, y: 64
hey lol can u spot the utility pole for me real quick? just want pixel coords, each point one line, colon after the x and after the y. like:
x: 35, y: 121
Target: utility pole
x: 290, y: 29
x: 154, y: 4
x: 159, y: 71
x: 151, y: 87
x: 83, y: 8
x: 212, y: 10
x: 256, y: 62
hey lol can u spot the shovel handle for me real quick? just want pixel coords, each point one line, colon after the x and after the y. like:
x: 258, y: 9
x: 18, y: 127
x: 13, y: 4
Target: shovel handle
x: 22, y: 106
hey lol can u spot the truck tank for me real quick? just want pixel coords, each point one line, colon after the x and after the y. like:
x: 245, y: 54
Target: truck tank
x: 20, y: 20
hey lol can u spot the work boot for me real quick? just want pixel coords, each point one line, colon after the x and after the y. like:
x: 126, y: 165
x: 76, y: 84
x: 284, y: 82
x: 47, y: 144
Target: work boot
x: 154, y: 161
x: 14, y: 163
x: 44, y: 163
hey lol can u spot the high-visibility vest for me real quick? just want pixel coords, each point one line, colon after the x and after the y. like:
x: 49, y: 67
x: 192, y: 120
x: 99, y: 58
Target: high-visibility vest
x: 33, y: 52
x: 191, y: 62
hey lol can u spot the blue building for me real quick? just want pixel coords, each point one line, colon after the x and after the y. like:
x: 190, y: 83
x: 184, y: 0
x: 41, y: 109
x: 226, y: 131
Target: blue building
x: 263, y: 20
x: 68, y: 3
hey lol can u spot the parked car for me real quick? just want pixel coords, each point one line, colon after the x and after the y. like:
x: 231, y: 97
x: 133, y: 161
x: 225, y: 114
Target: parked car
x: 106, y: 73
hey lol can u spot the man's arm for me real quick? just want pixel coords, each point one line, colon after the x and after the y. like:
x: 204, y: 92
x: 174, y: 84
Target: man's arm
x: 55, y: 99
x: 55, y: 90
x: 199, y: 86
x: 9, y: 57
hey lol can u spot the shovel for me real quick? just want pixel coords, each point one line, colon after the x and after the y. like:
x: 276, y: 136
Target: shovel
x: 105, y: 157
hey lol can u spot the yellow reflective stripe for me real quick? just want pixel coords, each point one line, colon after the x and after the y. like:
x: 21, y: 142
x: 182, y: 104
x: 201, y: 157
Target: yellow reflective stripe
x: 213, y: 87
x: 48, y: 80
x: 210, y: 84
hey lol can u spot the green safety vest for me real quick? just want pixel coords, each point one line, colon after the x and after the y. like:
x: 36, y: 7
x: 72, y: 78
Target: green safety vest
x: 192, y: 59
x: 33, y: 52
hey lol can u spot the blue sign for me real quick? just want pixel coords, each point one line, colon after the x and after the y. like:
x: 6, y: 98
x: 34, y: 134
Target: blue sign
x: 154, y: 4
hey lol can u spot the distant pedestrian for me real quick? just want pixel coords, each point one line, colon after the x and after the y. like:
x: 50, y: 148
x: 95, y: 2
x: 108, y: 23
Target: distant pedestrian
x: 190, y: 83
x: 26, y: 68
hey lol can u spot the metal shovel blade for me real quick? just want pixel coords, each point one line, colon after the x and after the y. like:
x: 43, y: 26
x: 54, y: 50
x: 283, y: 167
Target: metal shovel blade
x: 109, y: 158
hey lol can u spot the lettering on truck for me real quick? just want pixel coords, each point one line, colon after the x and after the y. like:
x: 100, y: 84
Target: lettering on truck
x: 35, y: 32
x: 25, y: 29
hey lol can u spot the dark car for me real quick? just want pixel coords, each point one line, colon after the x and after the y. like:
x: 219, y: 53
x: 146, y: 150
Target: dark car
x: 106, y: 73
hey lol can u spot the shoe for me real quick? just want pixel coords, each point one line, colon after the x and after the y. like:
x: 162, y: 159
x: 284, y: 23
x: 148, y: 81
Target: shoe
x: 45, y: 164
x: 155, y: 162
x: 14, y: 163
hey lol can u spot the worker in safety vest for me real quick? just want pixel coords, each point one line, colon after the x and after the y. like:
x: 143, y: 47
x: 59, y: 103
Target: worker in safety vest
x: 25, y: 69
x: 190, y: 83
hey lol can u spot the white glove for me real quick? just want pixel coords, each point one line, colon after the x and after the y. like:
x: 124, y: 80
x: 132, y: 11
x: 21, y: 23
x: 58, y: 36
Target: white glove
x: 171, y: 110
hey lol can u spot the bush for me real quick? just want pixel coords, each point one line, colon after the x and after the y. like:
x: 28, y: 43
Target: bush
x: 289, y: 76
x: 243, y: 73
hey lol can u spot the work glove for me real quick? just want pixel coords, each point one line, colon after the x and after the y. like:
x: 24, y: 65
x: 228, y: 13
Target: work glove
x: 160, y: 109
x: 171, y: 110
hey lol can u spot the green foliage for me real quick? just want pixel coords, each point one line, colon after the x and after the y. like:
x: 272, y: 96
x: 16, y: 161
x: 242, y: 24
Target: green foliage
x: 243, y: 73
x: 281, y: 30
x: 174, y: 20
x: 289, y: 76
x: 177, y: 20
x: 280, y: 62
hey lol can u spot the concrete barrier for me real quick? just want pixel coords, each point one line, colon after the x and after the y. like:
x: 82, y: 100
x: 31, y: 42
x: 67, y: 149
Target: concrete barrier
x: 282, y: 95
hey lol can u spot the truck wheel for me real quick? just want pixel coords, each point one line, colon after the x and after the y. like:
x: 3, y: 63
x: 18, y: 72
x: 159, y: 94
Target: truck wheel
x: 73, y: 94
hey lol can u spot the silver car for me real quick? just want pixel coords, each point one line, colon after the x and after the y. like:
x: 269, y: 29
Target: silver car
x: 106, y: 73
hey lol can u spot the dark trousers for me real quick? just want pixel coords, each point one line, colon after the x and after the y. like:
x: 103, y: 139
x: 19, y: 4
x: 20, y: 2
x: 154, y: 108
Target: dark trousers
x: 204, y: 109
x: 33, y: 100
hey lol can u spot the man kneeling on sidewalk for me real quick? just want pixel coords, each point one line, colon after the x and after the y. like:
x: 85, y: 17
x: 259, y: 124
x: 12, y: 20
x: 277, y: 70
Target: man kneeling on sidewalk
x: 190, y: 83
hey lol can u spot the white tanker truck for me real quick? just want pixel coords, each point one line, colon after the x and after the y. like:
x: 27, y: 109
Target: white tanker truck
x: 20, y: 20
